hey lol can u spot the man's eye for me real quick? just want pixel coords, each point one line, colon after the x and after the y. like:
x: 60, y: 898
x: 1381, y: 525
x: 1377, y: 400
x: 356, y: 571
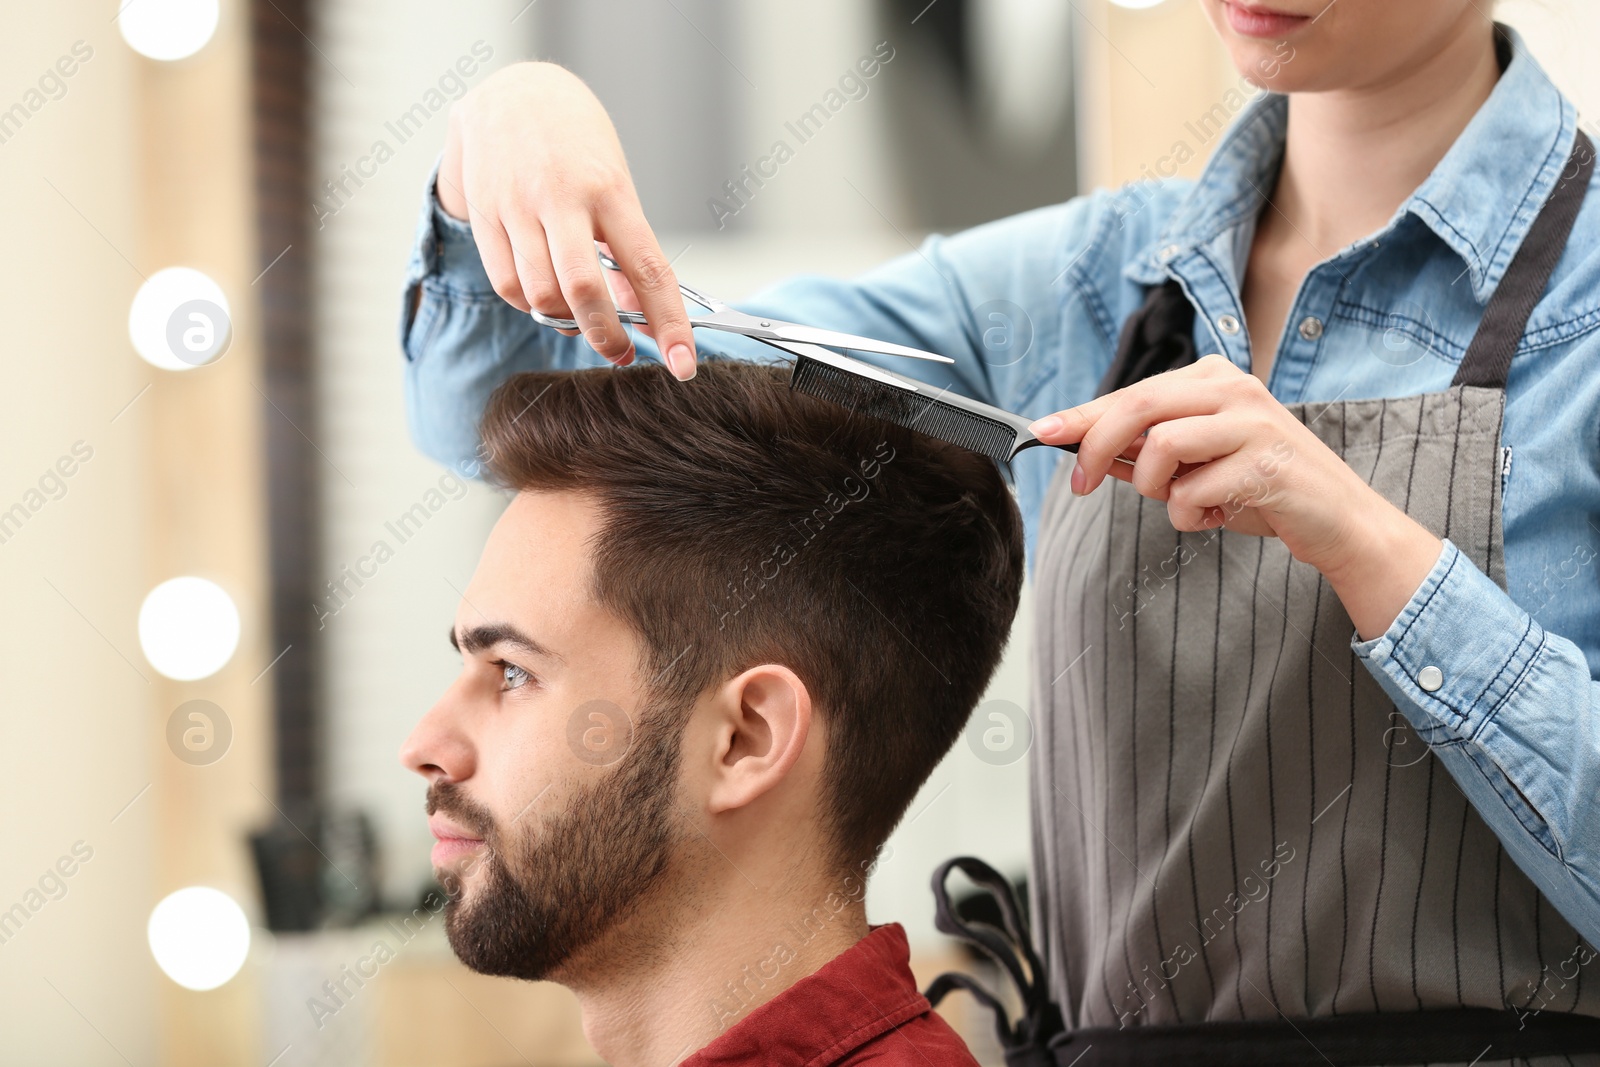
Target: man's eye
x: 515, y: 677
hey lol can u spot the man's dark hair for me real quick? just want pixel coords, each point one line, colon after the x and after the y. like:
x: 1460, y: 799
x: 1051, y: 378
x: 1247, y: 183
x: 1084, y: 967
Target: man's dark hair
x: 743, y: 523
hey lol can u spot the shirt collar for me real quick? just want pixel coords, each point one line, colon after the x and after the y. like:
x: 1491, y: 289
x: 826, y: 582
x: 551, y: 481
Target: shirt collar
x: 859, y: 995
x: 1480, y: 199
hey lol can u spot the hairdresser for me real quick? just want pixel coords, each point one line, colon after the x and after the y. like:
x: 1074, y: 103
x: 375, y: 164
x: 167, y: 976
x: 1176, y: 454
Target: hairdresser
x: 1316, y: 774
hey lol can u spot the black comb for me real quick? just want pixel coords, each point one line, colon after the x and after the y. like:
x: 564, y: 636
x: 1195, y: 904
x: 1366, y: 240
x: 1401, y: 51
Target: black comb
x: 995, y: 433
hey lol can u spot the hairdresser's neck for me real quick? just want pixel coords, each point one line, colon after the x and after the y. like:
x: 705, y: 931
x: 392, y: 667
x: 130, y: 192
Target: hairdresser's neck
x: 702, y: 965
x: 1354, y: 155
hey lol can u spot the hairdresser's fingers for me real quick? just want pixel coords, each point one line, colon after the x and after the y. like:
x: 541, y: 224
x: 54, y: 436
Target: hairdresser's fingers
x: 571, y: 238
x: 1228, y: 492
x: 1177, y: 443
x: 1201, y: 377
x: 622, y: 293
x: 499, y: 260
x: 1105, y: 427
x: 650, y: 277
x: 536, y: 274
x: 1122, y: 468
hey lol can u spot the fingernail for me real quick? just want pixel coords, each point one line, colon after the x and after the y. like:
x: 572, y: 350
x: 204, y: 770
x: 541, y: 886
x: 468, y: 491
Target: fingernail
x: 1046, y: 426
x: 680, y: 361
x: 1078, y: 480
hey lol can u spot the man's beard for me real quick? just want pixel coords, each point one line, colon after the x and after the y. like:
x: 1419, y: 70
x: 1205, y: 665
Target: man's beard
x: 551, y: 888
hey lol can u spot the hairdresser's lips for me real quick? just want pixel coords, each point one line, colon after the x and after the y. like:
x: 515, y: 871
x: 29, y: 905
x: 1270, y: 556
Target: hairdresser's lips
x: 451, y: 841
x: 1254, y: 21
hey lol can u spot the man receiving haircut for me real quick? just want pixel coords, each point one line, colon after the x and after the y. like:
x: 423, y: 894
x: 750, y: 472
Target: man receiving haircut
x: 715, y: 644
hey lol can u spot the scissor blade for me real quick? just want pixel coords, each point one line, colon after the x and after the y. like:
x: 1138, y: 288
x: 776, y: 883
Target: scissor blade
x: 845, y: 363
x: 723, y: 317
x: 785, y: 331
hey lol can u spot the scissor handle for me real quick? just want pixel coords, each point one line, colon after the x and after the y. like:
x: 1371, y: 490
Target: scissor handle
x: 635, y: 317
x: 710, y: 303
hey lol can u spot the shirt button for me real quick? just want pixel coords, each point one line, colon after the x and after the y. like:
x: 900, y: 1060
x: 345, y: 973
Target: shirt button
x: 1311, y: 327
x: 1430, y: 678
x: 1228, y: 324
x: 1168, y: 252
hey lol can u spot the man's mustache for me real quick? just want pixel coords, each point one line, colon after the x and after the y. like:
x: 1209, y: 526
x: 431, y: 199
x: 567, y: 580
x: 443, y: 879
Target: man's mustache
x: 448, y: 798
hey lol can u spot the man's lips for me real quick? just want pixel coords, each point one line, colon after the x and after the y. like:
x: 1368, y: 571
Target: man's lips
x: 451, y: 841
x: 1253, y: 21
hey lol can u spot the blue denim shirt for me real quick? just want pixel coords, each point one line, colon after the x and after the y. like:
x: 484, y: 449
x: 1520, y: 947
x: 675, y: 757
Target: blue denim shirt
x: 1030, y: 308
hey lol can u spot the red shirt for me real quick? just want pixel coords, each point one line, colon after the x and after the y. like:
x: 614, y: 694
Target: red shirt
x: 863, y: 1006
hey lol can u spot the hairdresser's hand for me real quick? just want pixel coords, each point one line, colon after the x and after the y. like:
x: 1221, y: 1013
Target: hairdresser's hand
x: 532, y: 161
x: 1222, y: 451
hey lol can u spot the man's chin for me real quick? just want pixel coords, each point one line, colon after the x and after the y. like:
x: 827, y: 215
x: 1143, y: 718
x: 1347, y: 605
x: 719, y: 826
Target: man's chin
x: 481, y: 944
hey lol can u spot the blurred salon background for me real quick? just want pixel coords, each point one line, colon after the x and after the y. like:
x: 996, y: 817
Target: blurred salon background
x: 227, y: 573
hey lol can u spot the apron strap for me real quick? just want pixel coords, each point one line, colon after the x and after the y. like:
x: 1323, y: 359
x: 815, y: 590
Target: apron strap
x: 1027, y: 1041
x: 1488, y: 358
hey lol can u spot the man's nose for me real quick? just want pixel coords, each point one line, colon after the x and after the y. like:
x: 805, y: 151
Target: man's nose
x: 437, y: 749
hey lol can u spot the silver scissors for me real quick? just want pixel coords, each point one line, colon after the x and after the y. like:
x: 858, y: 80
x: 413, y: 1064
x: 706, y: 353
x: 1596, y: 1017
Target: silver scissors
x: 772, y: 331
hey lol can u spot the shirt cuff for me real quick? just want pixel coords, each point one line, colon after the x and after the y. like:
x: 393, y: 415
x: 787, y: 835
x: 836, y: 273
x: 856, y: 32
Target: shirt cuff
x: 1454, y: 655
x: 444, y: 251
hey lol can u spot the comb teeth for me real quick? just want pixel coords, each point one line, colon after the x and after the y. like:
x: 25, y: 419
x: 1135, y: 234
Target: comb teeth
x: 915, y: 411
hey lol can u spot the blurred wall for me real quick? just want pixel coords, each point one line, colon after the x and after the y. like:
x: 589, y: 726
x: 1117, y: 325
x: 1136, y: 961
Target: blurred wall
x: 77, y: 701
x: 116, y: 476
x: 664, y: 73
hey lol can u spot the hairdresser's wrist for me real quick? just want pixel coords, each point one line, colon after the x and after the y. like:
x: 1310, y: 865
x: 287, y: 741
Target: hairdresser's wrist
x: 447, y: 184
x: 1384, y: 561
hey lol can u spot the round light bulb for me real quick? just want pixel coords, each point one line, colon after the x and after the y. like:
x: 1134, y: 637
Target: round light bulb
x: 188, y: 628
x: 199, y: 937
x: 167, y: 29
x: 179, y: 318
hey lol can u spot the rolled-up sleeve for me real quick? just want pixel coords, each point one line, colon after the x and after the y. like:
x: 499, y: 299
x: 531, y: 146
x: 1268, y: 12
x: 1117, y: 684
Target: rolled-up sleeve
x: 1513, y: 712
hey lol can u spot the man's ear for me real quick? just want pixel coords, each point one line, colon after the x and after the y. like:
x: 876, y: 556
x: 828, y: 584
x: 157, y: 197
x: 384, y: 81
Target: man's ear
x: 763, y: 720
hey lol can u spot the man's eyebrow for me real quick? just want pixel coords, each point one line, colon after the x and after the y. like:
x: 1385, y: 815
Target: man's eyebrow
x: 482, y: 638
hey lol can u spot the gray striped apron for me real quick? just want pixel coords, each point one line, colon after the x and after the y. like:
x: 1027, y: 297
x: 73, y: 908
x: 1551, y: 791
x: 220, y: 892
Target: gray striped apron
x: 1231, y: 820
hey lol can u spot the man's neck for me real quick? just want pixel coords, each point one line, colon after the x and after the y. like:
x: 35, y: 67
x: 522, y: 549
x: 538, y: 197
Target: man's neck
x: 715, y: 957
x: 1354, y: 155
